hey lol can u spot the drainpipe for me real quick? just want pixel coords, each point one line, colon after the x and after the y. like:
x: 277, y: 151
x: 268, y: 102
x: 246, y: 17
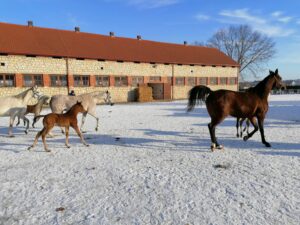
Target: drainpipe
x: 172, y: 83
x: 67, y: 71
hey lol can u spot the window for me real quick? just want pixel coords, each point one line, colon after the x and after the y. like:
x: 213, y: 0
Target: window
x: 137, y: 80
x: 223, y: 80
x: 121, y: 81
x: 30, y: 80
x: 179, y: 81
x: 232, y: 80
x: 58, y: 80
x: 191, y: 81
x: 81, y: 81
x: 213, y: 81
x: 102, y: 81
x: 7, y: 80
x: 154, y: 78
x: 203, y: 80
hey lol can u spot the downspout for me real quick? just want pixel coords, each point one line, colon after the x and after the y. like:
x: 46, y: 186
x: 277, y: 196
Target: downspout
x: 67, y: 70
x: 172, y: 83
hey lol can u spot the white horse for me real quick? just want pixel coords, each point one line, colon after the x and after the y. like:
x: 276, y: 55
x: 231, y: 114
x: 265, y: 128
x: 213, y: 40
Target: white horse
x: 60, y: 103
x: 15, y: 106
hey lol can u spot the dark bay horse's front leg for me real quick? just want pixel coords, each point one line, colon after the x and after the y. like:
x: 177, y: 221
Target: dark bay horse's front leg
x: 237, y: 127
x: 262, y: 133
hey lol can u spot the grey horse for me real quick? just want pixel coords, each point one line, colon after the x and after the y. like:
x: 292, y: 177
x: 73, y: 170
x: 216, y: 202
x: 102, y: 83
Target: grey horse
x: 61, y: 103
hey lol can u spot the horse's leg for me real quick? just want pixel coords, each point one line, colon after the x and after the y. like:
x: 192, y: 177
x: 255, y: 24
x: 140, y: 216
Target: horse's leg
x: 93, y: 114
x: 241, y: 126
x: 62, y: 130
x: 27, y: 122
x: 35, y: 115
x: 44, y: 134
x: 247, y: 126
x: 260, y: 120
x: 253, y: 121
x: 67, y: 137
x: 83, y: 121
x: 36, y: 138
x: 11, y: 122
x: 75, y: 127
x: 18, y: 122
x: 237, y: 127
x: 212, y: 130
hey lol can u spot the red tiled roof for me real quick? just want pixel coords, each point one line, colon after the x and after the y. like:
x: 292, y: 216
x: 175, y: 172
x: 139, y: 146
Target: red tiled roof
x: 25, y: 40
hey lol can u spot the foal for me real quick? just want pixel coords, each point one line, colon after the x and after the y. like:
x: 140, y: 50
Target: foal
x: 68, y: 119
x: 239, y: 126
x: 35, y: 109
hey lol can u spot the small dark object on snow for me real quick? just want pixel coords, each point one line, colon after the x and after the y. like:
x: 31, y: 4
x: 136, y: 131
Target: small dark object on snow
x: 60, y: 209
x: 221, y: 166
x: 117, y: 138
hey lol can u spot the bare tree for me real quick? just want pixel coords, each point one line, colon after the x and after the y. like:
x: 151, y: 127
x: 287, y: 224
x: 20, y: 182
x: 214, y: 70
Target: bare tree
x: 249, y: 48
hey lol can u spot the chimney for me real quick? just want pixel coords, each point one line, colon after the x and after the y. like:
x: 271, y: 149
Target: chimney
x: 77, y: 29
x: 29, y: 23
x: 139, y: 37
x: 112, y: 34
x: 185, y: 43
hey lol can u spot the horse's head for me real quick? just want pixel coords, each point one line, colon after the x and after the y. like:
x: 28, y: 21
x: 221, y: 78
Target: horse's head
x: 45, y: 99
x: 108, y: 98
x: 35, y: 92
x: 278, y: 83
x: 79, y: 107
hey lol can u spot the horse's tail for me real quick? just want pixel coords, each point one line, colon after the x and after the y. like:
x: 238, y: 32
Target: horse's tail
x: 36, y: 118
x: 197, y: 94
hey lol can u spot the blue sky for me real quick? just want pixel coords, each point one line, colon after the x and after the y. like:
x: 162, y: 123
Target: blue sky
x: 170, y: 21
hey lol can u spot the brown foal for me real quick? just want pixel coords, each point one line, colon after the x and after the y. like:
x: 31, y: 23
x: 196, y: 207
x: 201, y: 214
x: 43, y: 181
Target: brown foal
x: 68, y: 119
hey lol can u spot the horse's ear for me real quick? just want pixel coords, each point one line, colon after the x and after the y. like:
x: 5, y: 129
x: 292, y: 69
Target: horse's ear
x: 276, y: 71
x: 271, y: 72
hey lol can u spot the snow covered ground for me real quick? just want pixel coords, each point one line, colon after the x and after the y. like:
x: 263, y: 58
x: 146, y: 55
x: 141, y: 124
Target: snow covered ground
x: 151, y: 164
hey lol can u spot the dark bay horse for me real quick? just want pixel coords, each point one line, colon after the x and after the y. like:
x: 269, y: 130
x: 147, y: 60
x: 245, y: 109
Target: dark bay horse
x: 222, y: 103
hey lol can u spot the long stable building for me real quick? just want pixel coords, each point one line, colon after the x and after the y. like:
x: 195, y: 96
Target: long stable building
x: 60, y: 60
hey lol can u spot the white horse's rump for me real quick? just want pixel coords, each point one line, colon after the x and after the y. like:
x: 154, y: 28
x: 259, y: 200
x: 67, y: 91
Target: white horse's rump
x: 59, y: 103
x: 15, y: 106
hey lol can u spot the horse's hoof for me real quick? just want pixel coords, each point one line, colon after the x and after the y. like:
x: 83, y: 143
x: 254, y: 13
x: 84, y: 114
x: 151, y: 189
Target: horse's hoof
x: 87, y: 145
x: 112, y: 104
x: 47, y: 150
x: 29, y: 148
x: 245, y: 138
x: 96, y: 129
x: 267, y: 145
x: 220, y: 147
x: 68, y: 146
x: 26, y: 132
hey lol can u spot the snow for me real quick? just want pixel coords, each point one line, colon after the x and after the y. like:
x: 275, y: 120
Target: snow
x: 151, y: 164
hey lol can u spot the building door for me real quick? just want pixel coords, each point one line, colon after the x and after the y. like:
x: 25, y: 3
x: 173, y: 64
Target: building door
x: 157, y: 90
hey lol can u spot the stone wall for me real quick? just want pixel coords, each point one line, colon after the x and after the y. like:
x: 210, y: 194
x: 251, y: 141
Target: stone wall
x: 13, y: 64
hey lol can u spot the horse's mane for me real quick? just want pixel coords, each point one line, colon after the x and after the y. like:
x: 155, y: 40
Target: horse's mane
x: 22, y: 94
x: 261, y: 86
